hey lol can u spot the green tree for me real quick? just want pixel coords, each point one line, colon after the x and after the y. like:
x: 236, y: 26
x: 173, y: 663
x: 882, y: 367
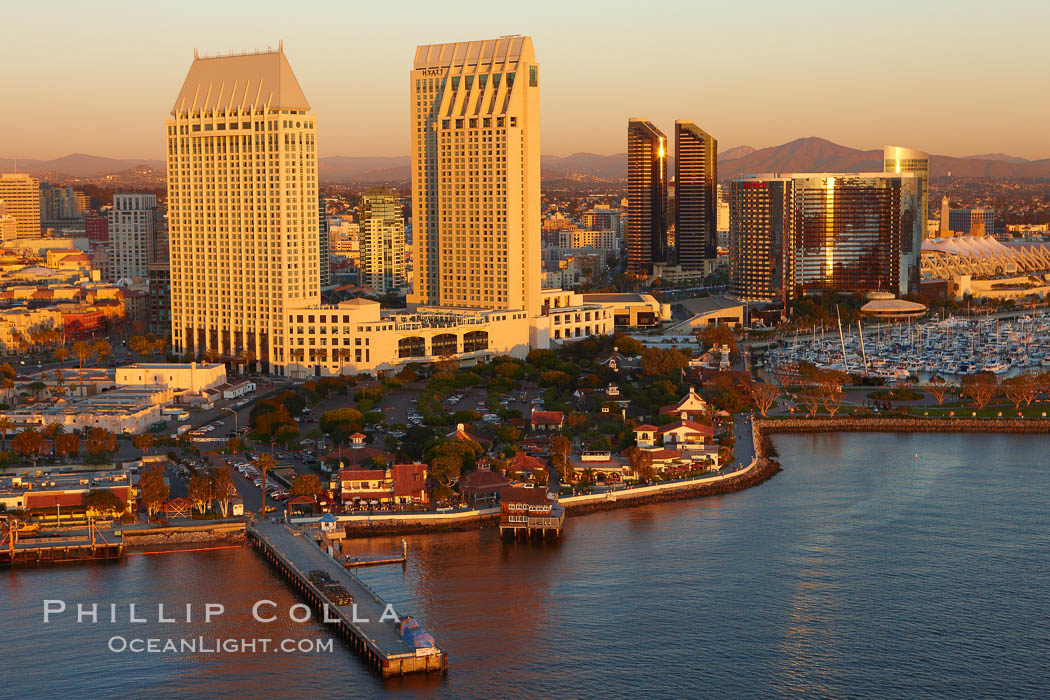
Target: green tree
x: 153, y: 490
x: 103, y: 502
x: 29, y: 443
x: 306, y: 485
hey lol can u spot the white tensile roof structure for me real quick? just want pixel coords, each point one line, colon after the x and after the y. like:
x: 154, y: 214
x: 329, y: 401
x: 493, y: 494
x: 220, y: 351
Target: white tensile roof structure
x: 981, y: 256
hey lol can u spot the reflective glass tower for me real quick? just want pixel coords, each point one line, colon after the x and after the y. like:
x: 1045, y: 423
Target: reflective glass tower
x: 898, y: 159
x: 646, y: 196
x: 696, y: 210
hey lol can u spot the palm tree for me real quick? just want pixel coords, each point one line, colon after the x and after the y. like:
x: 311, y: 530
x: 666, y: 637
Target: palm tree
x: 6, y: 425
x: 264, y: 464
x: 83, y: 351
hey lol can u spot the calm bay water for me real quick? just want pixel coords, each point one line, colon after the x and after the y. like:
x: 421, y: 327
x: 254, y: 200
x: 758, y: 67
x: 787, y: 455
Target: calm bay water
x: 858, y: 571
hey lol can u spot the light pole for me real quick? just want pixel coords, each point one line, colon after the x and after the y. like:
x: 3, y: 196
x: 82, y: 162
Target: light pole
x: 236, y: 426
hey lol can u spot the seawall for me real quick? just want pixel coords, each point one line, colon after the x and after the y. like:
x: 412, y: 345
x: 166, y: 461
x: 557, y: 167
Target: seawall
x: 899, y: 425
x: 230, y: 532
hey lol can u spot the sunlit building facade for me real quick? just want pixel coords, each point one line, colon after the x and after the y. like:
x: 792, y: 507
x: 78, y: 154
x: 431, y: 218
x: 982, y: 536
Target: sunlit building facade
x: 21, y: 196
x: 898, y: 159
x: 382, y: 240
x: 646, y: 197
x: 242, y: 197
x: 475, y: 114
x: 798, y: 234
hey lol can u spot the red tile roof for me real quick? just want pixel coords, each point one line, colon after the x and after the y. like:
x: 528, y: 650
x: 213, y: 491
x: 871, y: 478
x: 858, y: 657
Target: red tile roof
x: 409, y: 479
x: 468, y: 432
x: 362, y: 475
x: 517, y: 494
x: 548, y: 418
x: 356, y: 455
x: 647, y: 427
x: 705, y: 430
x: 482, y: 481
x: 522, y: 462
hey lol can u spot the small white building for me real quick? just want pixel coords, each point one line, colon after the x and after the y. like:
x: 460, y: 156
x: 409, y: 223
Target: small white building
x: 193, y: 377
x: 237, y: 389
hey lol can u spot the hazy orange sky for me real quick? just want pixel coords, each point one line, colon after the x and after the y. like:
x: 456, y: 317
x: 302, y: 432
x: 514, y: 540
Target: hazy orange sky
x: 957, y: 78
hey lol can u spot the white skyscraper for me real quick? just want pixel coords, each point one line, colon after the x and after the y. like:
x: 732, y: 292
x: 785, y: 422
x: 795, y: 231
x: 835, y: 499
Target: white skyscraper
x: 132, y: 235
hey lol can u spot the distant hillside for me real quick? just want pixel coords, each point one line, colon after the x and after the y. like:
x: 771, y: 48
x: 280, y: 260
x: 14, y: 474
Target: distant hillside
x: 737, y: 152
x: 76, y: 165
x: 811, y: 154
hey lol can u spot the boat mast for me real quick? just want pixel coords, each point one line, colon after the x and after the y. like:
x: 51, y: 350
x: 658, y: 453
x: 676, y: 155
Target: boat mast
x: 842, y: 340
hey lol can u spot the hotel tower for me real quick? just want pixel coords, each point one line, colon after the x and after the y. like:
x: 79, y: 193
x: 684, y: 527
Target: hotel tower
x: 475, y: 111
x: 242, y: 206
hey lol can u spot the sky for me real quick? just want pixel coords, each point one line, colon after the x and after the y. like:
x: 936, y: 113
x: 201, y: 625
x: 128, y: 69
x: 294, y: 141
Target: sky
x: 953, y: 78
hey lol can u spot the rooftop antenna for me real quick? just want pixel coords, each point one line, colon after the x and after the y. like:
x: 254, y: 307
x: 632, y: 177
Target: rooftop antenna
x: 195, y: 54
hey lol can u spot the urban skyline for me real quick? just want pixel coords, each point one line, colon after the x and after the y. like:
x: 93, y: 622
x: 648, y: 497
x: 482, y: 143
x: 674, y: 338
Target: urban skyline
x: 330, y: 59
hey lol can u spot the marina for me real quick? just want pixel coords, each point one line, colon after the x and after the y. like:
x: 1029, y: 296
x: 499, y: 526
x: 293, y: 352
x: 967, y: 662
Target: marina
x: 950, y: 348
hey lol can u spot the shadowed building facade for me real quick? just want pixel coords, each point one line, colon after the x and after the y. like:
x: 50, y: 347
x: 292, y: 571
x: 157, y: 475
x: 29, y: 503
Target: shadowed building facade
x: 696, y: 205
x: 646, y: 197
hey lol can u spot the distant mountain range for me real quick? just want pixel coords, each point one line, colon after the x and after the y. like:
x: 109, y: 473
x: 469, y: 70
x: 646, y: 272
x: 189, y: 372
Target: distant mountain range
x: 76, y: 165
x: 809, y: 154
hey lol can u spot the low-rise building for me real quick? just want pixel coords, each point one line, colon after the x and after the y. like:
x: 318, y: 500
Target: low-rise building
x: 50, y: 495
x: 126, y: 409
x: 192, y: 376
x: 632, y: 310
x: 572, y: 317
x: 481, y: 487
x: 547, y: 420
x: 528, y: 510
x: 400, y: 484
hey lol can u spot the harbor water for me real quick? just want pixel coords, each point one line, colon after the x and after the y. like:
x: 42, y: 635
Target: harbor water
x: 874, y: 565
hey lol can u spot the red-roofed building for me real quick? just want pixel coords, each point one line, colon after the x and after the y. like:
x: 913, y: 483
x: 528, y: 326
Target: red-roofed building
x: 547, y: 420
x: 465, y: 431
x: 529, y: 510
x: 482, y: 487
x: 525, y: 464
x: 356, y: 455
x: 410, y: 483
x: 400, y: 484
x: 358, y: 487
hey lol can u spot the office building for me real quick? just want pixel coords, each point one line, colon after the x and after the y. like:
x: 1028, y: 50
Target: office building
x: 807, y: 233
x: 132, y: 235
x: 722, y: 226
x: 8, y: 225
x: 898, y: 159
x: 57, y: 204
x: 760, y: 252
x: 158, y: 279
x: 476, y: 175
x: 646, y: 196
x: 96, y: 229
x: 242, y: 206
x: 696, y: 209
x: 21, y: 196
x: 324, y: 251
x: 975, y: 222
x: 382, y: 241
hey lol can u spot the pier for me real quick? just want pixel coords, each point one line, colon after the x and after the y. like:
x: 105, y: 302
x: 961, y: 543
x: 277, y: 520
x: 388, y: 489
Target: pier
x: 79, y: 545
x: 292, y: 552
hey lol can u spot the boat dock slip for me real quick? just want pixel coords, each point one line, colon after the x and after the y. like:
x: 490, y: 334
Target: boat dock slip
x: 296, y: 556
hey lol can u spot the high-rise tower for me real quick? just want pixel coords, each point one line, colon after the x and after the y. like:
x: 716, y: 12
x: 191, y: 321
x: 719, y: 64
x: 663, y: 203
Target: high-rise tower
x: 21, y: 195
x: 646, y: 196
x: 898, y: 159
x: 132, y: 235
x: 242, y: 206
x: 696, y: 210
x: 475, y: 112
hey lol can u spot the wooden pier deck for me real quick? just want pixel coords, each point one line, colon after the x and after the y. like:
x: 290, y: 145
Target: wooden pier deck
x: 55, y: 550
x: 295, y: 555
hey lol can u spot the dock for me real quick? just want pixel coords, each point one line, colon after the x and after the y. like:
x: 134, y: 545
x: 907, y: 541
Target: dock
x: 293, y: 552
x: 77, y: 546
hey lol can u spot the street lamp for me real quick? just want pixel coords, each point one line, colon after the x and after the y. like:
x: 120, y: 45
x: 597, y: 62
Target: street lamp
x: 236, y: 426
